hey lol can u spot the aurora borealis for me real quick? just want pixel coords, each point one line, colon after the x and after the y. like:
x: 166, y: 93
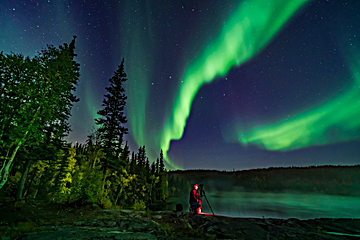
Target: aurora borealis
x: 337, y: 120
x: 231, y: 84
x: 246, y: 32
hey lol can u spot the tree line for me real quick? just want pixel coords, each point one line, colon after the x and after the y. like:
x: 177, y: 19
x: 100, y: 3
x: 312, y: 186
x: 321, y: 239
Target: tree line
x: 36, y: 96
x: 325, y: 179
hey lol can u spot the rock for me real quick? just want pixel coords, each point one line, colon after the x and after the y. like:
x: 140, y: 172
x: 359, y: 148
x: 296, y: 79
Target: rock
x: 120, y: 228
x: 124, y: 225
x: 110, y: 223
x: 127, y: 226
x: 111, y: 211
x: 98, y: 223
x: 81, y: 234
x: 126, y: 212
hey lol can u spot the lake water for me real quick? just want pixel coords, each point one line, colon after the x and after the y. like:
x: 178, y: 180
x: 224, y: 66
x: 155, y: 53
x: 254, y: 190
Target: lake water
x: 277, y: 205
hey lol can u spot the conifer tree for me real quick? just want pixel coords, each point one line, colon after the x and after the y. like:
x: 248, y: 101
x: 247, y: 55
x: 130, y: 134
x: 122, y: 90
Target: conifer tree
x: 113, y: 118
x: 139, y: 157
x: 133, y: 156
x: 143, y: 156
x: 125, y: 155
x: 133, y: 163
x: 147, y: 168
x: 152, y: 169
x: 112, y: 121
x: 157, y: 166
x: 161, y: 162
x: 147, y: 165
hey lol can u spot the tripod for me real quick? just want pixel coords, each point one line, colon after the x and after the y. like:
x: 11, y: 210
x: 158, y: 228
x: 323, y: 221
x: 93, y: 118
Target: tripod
x: 202, y: 194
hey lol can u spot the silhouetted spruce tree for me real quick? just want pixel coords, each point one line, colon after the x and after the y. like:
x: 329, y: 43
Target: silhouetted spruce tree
x: 152, y: 169
x: 161, y: 163
x: 124, y: 157
x: 139, y: 161
x: 147, y: 168
x: 133, y: 163
x: 147, y: 165
x: 138, y: 157
x: 157, y: 166
x: 133, y: 156
x: 112, y: 120
x: 144, y: 172
x: 143, y: 156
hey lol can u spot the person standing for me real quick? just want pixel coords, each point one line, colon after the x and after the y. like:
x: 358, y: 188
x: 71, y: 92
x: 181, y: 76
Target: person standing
x: 195, y: 201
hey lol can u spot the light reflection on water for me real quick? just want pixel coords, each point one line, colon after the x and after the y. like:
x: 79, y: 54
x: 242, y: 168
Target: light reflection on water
x: 277, y: 205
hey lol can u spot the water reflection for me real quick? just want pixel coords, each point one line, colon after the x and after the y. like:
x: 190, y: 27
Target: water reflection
x: 277, y: 205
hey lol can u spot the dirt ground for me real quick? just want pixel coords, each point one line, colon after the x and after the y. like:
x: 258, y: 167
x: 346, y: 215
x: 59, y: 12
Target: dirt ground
x: 44, y: 213
x: 17, y: 218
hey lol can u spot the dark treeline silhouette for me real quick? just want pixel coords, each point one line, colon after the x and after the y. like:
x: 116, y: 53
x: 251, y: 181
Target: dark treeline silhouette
x: 325, y: 179
x: 260, y: 169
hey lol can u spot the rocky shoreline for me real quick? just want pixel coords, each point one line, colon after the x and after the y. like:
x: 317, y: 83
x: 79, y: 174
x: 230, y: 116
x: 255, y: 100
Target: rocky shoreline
x: 128, y: 224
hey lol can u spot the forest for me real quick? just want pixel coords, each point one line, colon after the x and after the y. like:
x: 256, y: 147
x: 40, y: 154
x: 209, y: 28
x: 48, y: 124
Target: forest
x: 37, y: 95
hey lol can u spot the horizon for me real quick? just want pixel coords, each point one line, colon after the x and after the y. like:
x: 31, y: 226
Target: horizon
x: 267, y: 168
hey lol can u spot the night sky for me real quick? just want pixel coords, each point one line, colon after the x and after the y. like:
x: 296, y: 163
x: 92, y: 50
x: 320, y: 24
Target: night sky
x: 230, y: 84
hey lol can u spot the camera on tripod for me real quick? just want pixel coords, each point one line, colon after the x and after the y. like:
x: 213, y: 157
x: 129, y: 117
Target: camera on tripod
x: 202, y: 194
x: 202, y: 191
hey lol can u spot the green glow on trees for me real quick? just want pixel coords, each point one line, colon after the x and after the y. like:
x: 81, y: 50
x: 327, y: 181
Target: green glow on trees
x: 37, y: 95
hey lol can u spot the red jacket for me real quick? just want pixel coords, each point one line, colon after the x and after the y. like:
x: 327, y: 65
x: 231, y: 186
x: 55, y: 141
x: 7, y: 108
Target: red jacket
x: 194, y: 196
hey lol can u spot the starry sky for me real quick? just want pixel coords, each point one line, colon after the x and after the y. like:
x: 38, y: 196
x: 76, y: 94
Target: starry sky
x: 231, y: 84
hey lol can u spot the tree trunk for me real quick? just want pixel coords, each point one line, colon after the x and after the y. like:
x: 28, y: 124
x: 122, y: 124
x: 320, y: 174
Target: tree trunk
x: 20, y: 190
x: 103, y: 182
x: 33, y: 176
x: 37, y: 185
x: 118, y: 195
x: 7, y: 165
x: 151, y: 188
x: 6, y: 158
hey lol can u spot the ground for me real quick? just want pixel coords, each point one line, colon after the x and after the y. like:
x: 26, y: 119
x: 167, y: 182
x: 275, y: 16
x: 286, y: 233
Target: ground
x: 17, y: 218
x: 44, y: 220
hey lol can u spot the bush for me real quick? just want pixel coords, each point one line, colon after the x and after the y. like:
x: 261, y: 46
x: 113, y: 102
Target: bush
x: 139, y: 205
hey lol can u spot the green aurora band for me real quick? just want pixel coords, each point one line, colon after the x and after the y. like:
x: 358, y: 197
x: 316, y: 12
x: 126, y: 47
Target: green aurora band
x: 335, y: 121
x: 138, y: 65
x: 246, y: 32
x: 92, y: 105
